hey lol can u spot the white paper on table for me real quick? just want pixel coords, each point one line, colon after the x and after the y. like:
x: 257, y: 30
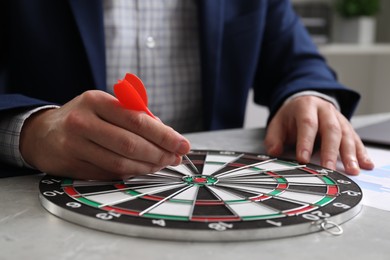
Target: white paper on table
x: 376, y: 183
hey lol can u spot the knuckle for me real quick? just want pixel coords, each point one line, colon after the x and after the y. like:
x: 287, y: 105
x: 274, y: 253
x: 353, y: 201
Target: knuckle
x: 309, y: 122
x: 164, y: 159
x: 120, y: 166
x: 90, y: 96
x: 75, y: 121
x: 305, y: 143
x: 127, y: 146
x: 329, y: 106
x: 305, y: 101
x: 334, y: 128
x: 136, y: 121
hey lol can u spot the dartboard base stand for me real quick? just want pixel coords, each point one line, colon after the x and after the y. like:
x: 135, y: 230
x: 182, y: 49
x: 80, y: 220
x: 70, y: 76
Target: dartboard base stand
x: 230, y: 196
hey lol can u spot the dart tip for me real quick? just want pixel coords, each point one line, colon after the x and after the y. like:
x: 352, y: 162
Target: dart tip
x: 192, y: 164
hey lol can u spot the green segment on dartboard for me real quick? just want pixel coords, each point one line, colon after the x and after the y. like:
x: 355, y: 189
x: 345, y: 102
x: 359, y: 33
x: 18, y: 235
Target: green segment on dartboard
x: 67, y: 182
x: 163, y: 216
x: 324, y: 201
x: 328, y: 180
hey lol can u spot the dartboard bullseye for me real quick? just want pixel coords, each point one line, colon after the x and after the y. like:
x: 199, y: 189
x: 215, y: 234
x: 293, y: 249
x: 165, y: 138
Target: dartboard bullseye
x: 229, y: 196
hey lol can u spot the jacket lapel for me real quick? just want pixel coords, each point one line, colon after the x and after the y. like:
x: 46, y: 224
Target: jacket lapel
x: 89, y: 19
x: 211, y: 29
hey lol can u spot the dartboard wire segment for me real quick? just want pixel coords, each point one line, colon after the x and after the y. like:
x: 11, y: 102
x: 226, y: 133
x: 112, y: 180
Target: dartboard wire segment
x: 223, y: 196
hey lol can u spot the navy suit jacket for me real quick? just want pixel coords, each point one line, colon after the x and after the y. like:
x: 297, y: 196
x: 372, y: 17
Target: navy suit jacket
x: 52, y: 51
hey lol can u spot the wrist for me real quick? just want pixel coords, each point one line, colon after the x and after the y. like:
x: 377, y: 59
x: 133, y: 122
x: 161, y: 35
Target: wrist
x: 32, y: 131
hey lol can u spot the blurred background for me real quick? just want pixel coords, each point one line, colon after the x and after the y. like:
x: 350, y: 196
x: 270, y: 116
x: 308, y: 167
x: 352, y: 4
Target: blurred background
x: 354, y: 37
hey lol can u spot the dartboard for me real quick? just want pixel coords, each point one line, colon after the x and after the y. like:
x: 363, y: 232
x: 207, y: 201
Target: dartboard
x: 212, y: 196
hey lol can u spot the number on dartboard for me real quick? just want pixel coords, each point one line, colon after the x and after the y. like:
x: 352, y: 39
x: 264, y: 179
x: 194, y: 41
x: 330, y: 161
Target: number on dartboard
x: 315, y: 215
x: 324, y: 171
x: 220, y: 226
x: 264, y: 157
x: 53, y: 193
x: 51, y: 181
x: 341, y: 205
x: 73, y: 204
x: 159, y: 222
x: 343, y: 182
x: 107, y: 215
x: 275, y: 223
x: 352, y: 193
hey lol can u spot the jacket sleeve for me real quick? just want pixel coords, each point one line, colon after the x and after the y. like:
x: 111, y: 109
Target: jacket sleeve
x: 17, y: 101
x: 291, y: 63
x: 10, y: 101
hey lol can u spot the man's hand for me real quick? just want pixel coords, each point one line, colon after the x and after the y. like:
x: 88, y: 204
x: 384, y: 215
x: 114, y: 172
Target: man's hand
x: 94, y: 137
x: 304, y: 119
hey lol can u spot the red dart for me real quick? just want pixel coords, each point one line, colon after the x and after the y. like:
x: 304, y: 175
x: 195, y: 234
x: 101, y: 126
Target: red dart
x: 131, y: 93
x: 138, y: 85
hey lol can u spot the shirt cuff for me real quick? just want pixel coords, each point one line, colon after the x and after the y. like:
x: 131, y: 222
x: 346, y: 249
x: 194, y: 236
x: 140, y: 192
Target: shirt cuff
x: 10, y: 128
x: 316, y: 94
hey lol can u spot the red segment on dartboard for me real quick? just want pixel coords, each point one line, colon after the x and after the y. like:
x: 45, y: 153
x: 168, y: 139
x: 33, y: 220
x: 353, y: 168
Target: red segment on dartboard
x: 70, y: 191
x: 238, y: 165
x: 333, y: 190
x: 152, y: 197
x: 209, y: 202
x: 121, y: 211
x: 260, y: 198
x: 299, y: 211
x: 282, y: 186
x: 273, y: 174
x: 310, y: 170
x: 120, y: 186
x: 200, y: 180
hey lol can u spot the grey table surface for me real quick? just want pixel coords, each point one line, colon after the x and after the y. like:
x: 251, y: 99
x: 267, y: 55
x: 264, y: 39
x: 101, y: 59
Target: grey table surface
x: 28, y: 231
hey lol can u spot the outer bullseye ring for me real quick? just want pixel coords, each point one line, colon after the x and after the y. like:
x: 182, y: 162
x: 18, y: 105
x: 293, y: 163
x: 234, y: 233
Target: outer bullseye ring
x: 200, y: 180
